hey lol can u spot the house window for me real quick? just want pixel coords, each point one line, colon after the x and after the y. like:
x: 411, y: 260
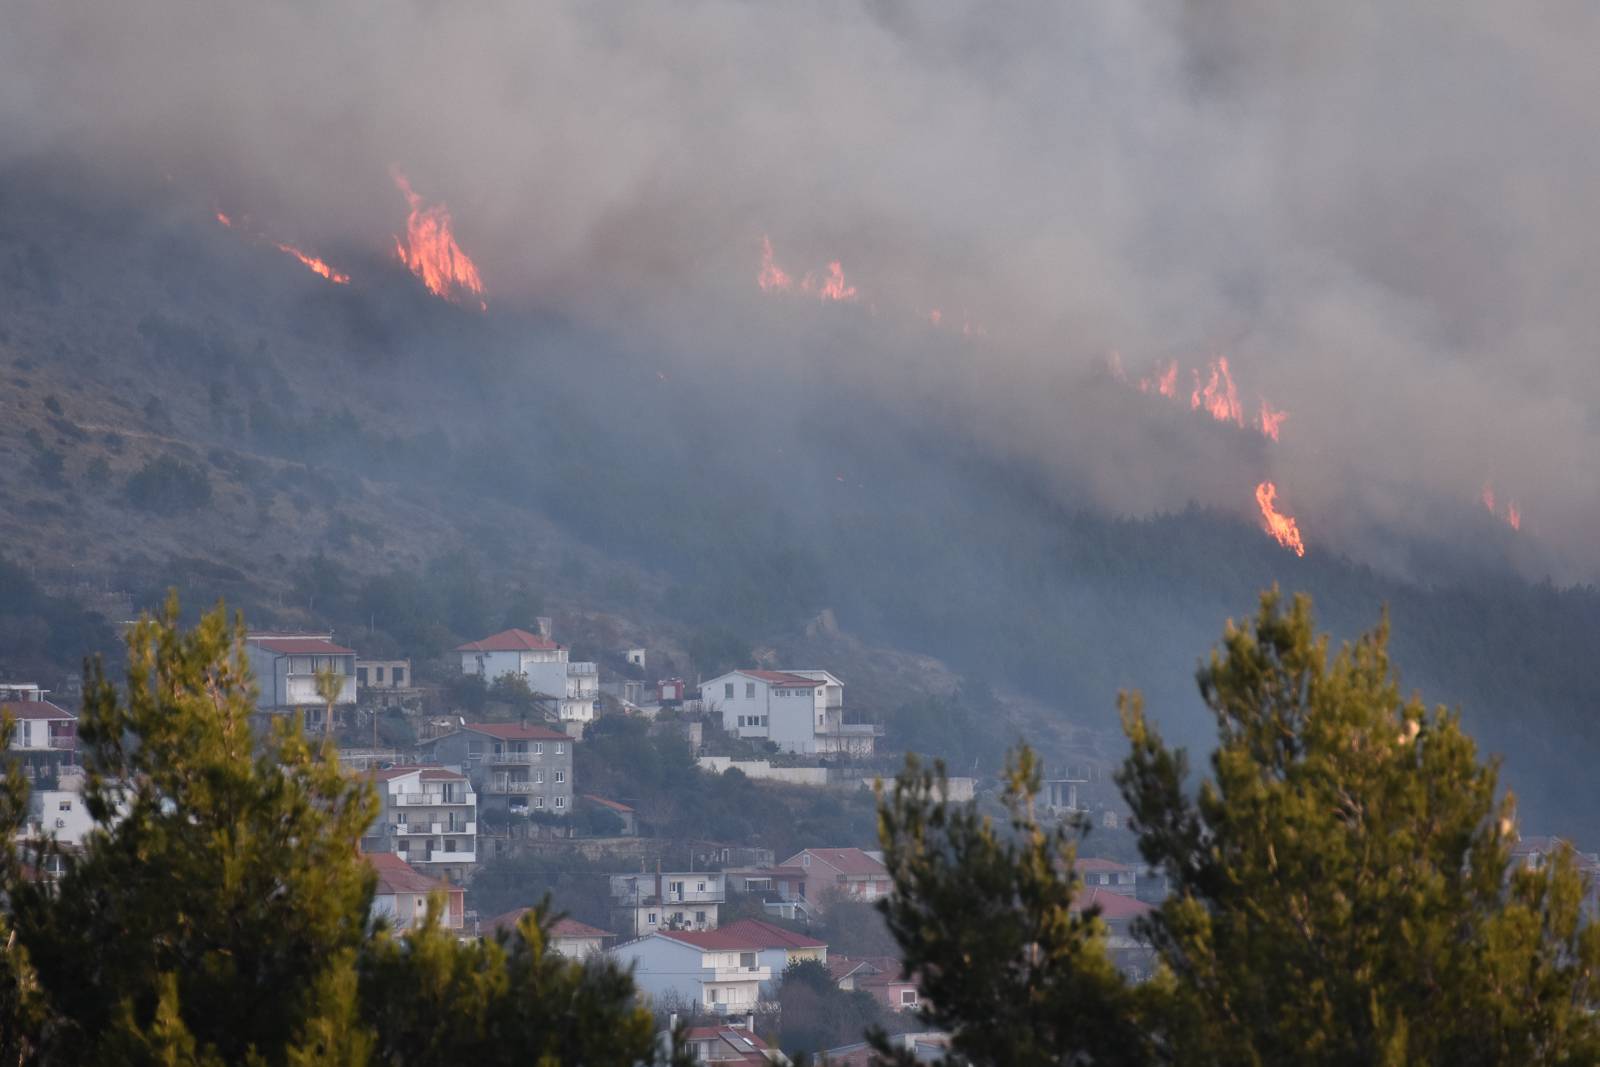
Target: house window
x: 675, y: 887
x: 741, y: 720
x: 749, y: 690
x: 399, y: 676
x: 561, y: 776
x: 700, y: 887
x: 400, y: 817
x: 538, y: 777
x: 377, y: 674
x: 449, y: 844
x: 700, y: 917
x: 908, y: 998
x: 361, y: 676
x: 747, y: 960
x: 727, y: 691
x: 561, y: 748
x: 538, y: 802
x: 650, y: 918
x: 538, y: 748
x: 561, y: 802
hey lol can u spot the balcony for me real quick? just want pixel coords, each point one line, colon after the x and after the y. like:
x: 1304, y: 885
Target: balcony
x: 735, y: 974
x: 431, y: 800
x: 502, y: 758
x: 439, y: 855
x: 514, y: 786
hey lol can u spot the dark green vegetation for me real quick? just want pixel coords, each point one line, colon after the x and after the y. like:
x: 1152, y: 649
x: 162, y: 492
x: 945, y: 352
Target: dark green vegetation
x: 219, y: 913
x: 1343, y: 890
x: 446, y: 470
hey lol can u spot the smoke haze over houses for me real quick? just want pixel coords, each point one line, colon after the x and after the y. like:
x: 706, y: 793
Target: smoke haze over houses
x: 1379, y: 213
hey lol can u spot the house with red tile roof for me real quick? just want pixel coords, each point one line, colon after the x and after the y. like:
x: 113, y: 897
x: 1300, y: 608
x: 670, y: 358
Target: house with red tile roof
x: 571, y: 689
x: 285, y: 666
x: 515, y: 768
x: 881, y: 976
x: 732, y: 1045
x: 799, y: 711
x: 629, y: 817
x: 403, y: 891
x: 566, y: 936
x: 1130, y: 952
x: 44, y: 737
x: 778, y: 947
x: 847, y: 872
x: 718, y: 971
x: 1106, y: 874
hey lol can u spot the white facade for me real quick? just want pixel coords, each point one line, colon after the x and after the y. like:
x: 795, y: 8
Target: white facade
x: 59, y: 814
x: 799, y: 711
x: 672, y: 900
x: 723, y: 981
x: 429, y: 819
x: 543, y: 664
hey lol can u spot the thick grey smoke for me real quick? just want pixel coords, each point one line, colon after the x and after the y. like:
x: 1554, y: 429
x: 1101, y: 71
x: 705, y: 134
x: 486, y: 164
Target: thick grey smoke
x: 1379, y: 212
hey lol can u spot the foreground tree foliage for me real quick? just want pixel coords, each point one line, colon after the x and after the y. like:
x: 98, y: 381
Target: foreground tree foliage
x: 218, y: 913
x: 1342, y: 889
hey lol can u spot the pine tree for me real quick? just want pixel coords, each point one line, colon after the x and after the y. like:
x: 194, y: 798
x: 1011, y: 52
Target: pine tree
x: 1342, y: 883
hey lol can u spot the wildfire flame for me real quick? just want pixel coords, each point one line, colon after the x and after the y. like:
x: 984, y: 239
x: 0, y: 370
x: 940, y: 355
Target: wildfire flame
x: 430, y: 251
x: 771, y: 276
x: 1271, y: 421
x: 1218, y: 397
x: 312, y: 262
x: 831, y: 286
x: 315, y: 264
x: 1162, y: 382
x: 1281, y: 527
x: 1512, y: 515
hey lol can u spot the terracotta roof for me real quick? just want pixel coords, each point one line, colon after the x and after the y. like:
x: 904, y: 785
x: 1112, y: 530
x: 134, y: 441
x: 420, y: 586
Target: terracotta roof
x: 842, y: 967
x: 604, y: 803
x: 766, y: 935
x: 512, y: 640
x: 1112, y: 905
x: 301, y: 646
x: 746, y: 1044
x: 35, y: 709
x: 562, y: 927
x: 441, y: 774
x: 847, y: 861
x: 1092, y: 863
x: 395, y: 875
x: 722, y: 939
x: 768, y: 872
x: 785, y: 679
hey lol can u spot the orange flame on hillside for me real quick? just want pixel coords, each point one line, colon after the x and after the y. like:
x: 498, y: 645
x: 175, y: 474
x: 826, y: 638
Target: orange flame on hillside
x: 832, y: 286
x: 315, y: 264
x: 430, y: 251
x: 1163, y: 382
x: 1513, y: 517
x: 1513, y: 514
x: 1218, y: 397
x: 771, y: 275
x: 1271, y: 421
x: 1282, y: 527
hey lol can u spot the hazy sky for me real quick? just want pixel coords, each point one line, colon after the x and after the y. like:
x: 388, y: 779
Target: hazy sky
x: 1379, y: 212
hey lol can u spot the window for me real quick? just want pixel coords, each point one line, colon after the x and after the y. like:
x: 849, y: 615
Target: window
x: 377, y: 675
x: 650, y: 918
x: 741, y: 720
x: 538, y: 748
x: 749, y: 690
x: 908, y: 998
x: 449, y: 844
x: 675, y: 887
x: 561, y: 802
x: 399, y: 676
x: 727, y: 691
x: 700, y: 887
x: 538, y: 802
x: 400, y: 817
x: 561, y: 748
x: 538, y: 777
x: 66, y: 805
x: 700, y: 917
x: 747, y: 960
x: 561, y: 776
x: 361, y: 676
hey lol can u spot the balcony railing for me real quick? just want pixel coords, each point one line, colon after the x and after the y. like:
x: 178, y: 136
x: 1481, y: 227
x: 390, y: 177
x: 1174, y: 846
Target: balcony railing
x: 430, y: 800
x: 514, y: 757
x: 735, y: 974
x: 439, y: 855
x: 502, y: 785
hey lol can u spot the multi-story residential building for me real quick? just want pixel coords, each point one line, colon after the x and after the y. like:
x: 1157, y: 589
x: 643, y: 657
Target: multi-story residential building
x: 675, y: 900
x: 429, y: 819
x: 515, y: 769
x: 799, y: 711
x: 782, y: 889
x: 720, y: 973
x: 44, y: 737
x: 848, y: 872
x: 571, y: 689
x: 379, y: 674
x: 58, y: 814
x: 777, y: 948
x: 285, y: 666
x: 729, y: 1046
x: 403, y: 892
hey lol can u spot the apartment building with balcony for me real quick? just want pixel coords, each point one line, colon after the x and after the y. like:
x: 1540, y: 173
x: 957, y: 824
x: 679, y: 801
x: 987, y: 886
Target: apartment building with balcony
x: 719, y: 972
x: 799, y: 711
x: 571, y: 690
x: 44, y: 737
x: 666, y: 900
x: 429, y: 819
x: 515, y: 769
x: 285, y: 666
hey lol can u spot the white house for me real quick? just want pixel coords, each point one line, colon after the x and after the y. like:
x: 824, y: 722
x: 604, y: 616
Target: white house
x: 43, y: 737
x: 799, y: 711
x: 566, y: 936
x: 681, y: 900
x: 429, y: 819
x: 286, y: 666
x: 402, y: 894
x: 58, y: 814
x: 721, y: 973
x: 574, y: 687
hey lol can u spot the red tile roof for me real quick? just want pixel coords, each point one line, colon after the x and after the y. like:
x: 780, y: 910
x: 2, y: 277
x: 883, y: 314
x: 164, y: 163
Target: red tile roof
x: 785, y: 679
x: 510, y: 641
x: 301, y: 646
x: 424, y: 772
x: 604, y: 803
x: 563, y: 927
x: 35, y: 709
x: 1113, y: 906
x: 847, y: 861
x: 395, y: 875
x: 723, y: 939
x: 748, y: 1047
x: 766, y: 935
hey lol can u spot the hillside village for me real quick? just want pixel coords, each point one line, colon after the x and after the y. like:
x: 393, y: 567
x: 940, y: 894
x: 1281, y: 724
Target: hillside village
x: 524, y: 780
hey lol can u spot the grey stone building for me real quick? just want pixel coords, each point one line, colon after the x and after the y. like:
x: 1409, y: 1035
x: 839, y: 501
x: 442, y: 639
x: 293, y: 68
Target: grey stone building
x: 514, y: 769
